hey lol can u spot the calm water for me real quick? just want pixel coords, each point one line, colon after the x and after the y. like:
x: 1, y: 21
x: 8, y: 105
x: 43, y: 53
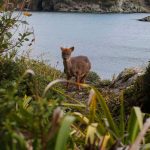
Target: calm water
x: 111, y: 41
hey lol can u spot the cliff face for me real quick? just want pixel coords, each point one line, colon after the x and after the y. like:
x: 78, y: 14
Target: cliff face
x: 92, y: 5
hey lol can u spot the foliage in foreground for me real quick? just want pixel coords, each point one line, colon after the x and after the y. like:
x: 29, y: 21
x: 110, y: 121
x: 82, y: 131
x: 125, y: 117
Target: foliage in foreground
x: 43, y: 123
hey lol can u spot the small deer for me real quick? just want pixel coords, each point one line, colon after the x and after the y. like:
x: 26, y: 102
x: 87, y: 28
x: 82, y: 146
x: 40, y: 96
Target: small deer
x: 77, y: 67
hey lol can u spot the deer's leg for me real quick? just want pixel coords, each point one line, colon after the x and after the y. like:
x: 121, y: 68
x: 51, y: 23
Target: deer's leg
x: 83, y: 79
x: 68, y: 78
x: 78, y: 82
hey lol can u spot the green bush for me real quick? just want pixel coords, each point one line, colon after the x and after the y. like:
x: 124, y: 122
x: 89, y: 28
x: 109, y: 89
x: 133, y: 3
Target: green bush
x: 146, y: 90
x: 93, y: 78
x: 138, y: 94
x: 41, y: 123
x: 9, y: 27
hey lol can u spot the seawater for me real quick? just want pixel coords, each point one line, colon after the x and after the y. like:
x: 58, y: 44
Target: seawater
x: 111, y: 41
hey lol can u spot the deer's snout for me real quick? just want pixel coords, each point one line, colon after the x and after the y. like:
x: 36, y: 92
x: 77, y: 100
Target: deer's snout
x: 65, y: 56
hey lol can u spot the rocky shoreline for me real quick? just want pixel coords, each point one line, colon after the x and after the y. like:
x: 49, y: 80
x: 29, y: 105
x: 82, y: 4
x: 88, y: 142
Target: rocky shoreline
x: 93, y: 7
x: 99, y: 6
x: 134, y: 83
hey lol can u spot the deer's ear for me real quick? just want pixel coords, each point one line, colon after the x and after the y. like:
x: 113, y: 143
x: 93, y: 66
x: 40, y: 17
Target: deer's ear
x: 61, y: 48
x: 72, y: 48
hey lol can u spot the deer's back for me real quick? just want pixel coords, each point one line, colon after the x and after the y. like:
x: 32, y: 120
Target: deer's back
x: 80, y: 65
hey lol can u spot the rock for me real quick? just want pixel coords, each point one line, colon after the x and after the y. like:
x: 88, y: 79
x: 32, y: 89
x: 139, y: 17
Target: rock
x: 61, y: 7
x: 147, y: 19
x: 77, y: 7
x: 127, y: 78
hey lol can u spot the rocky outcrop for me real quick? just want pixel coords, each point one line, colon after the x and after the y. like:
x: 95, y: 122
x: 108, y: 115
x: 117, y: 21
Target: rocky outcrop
x: 101, y: 6
x: 130, y: 81
x: 80, y: 7
x: 127, y: 6
x: 146, y: 19
x: 127, y: 77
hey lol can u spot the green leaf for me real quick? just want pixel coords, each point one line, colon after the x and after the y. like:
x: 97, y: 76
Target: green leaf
x: 146, y: 147
x: 9, y: 34
x: 64, y: 133
x: 82, y: 118
x: 26, y: 39
x: 23, y: 22
x: 92, y: 105
x: 26, y: 101
x: 106, y: 112
x: 135, y: 123
x: 139, y: 115
x: 20, y: 139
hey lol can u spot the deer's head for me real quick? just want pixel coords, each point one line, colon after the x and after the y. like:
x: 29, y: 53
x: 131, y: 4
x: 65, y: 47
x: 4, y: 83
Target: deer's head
x: 66, y: 52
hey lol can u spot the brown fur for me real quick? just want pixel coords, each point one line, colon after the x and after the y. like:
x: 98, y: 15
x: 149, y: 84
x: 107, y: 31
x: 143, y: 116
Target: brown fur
x: 77, y: 67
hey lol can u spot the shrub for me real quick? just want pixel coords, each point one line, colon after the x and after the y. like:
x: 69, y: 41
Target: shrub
x: 138, y: 94
x: 146, y: 90
x: 40, y: 124
x: 9, y: 44
x: 93, y: 78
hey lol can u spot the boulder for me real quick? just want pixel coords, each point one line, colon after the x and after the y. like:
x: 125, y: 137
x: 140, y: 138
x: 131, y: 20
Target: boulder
x: 147, y: 19
x: 126, y: 78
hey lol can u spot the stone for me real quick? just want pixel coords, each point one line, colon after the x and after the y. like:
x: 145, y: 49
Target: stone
x: 127, y: 78
x: 146, y: 19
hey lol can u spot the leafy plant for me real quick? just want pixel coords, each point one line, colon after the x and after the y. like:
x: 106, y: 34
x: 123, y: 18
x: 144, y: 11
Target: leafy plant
x: 10, y: 39
x: 98, y: 126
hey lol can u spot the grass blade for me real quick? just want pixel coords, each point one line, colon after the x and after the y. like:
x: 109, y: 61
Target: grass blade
x: 81, y: 117
x: 136, y: 145
x: 92, y: 105
x: 105, y: 142
x: 146, y: 147
x: 135, y: 124
x: 64, y: 133
x: 106, y: 112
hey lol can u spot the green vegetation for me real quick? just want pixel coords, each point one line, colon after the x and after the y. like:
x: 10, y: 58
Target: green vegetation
x: 146, y: 87
x: 36, y: 111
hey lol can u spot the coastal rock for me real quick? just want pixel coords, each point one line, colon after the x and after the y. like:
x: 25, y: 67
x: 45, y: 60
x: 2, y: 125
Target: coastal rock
x: 77, y: 7
x: 127, y: 78
x: 124, y: 6
x: 146, y: 19
x: 101, y: 6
